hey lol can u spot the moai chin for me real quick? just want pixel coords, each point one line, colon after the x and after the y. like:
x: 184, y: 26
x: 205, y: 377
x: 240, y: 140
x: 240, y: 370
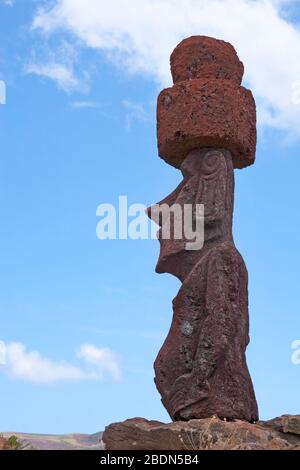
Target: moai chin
x: 206, y: 128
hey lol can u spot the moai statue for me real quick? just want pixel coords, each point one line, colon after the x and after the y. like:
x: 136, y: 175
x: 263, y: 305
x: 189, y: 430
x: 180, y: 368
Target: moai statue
x: 206, y: 128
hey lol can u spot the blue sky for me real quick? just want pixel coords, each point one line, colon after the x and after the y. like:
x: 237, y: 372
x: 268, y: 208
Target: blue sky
x: 78, y: 130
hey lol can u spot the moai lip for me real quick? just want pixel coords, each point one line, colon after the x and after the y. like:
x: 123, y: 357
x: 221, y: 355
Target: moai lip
x: 201, y: 368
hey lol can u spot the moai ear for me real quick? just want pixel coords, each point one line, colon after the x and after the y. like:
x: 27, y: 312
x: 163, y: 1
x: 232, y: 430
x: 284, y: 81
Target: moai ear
x: 204, y: 161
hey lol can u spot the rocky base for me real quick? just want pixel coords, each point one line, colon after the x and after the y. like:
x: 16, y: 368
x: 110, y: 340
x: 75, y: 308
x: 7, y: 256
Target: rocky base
x: 281, y: 433
x: 4, y: 445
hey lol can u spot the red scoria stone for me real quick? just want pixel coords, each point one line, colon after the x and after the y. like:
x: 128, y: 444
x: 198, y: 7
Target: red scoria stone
x: 206, y: 127
x: 204, y: 57
x: 206, y: 113
x: 201, y: 369
x: 206, y: 107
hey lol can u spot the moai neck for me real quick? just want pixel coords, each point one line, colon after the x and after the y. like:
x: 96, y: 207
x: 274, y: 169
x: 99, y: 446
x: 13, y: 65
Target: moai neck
x: 212, y: 173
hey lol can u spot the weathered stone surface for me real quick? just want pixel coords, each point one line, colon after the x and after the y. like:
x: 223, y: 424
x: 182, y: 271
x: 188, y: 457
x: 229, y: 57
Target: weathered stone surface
x: 206, y: 107
x: 206, y: 125
x: 201, y: 368
x: 204, y: 434
x: 286, y: 423
x: 206, y: 58
x: 206, y: 113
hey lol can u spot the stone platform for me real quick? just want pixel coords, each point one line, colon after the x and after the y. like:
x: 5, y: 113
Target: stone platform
x: 281, y: 433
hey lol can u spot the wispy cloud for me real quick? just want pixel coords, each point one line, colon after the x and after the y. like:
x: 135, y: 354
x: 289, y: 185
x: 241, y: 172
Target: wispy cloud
x: 60, y: 73
x: 84, y: 105
x: 153, y: 335
x: 115, y: 291
x: 135, y: 112
x: 103, y: 359
x: 139, y: 36
x: 31, y: 366
x: 8, y: 3
x: 59, y: 65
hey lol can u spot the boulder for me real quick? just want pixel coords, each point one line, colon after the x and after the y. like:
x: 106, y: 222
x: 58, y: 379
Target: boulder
x: 203, y: 434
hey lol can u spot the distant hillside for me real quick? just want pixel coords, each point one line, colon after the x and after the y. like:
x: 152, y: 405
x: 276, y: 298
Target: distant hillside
x: 53, y: 442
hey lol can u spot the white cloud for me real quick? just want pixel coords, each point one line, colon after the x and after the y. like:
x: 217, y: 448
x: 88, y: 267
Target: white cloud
x: 8, y: 3
x: 60, y: 73
x: 59, y: 65
x: 104, y: 360
x: 134, y: 112
x: 84, y: 105
x: 139, y: 36
x: 31, y: 366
